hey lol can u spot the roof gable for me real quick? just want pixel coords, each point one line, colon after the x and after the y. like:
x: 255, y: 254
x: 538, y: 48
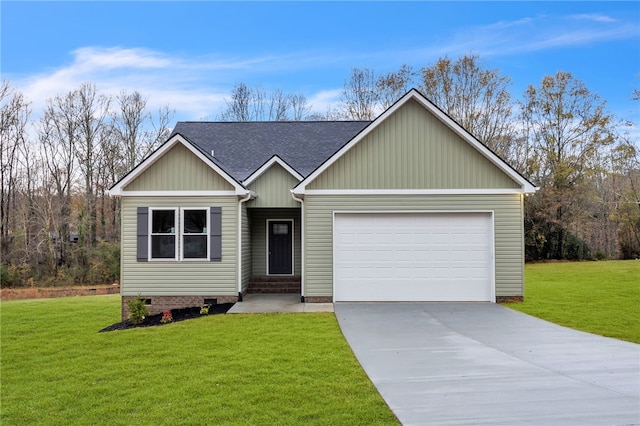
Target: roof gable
x: 507, y: 179
x: 272, y: 183
x: 176, y: 146
x: 266, y: 166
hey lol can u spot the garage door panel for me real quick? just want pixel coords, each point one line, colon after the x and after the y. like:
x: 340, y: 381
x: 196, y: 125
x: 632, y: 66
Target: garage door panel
x: 413, y: 257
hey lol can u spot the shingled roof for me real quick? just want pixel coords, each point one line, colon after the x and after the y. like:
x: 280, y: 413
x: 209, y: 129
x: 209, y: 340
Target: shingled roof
x: 240, y: 148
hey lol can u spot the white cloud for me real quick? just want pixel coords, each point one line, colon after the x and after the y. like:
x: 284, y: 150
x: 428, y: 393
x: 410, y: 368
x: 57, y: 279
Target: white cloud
x: 324, y: 100
x: 596, y: 17
x: 529, y: 34
x: 195, y: 87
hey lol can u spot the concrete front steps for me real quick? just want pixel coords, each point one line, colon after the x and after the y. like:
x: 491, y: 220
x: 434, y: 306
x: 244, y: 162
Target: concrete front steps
x: 274, y: 284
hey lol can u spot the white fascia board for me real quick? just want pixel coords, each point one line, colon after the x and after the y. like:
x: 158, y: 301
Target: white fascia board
x: 527, y: 187
x: 118, y: 188
x: 275, y: 159
x: 464, y: 191
x: 179, y: 193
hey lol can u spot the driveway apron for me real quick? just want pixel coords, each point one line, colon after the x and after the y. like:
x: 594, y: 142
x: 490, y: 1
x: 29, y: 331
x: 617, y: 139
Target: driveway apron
x: 484, y: 364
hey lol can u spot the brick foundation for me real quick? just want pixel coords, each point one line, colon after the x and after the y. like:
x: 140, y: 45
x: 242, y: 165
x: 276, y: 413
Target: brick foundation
x: 318, y: 299
x: 509, y: 299
x: 161, y: 303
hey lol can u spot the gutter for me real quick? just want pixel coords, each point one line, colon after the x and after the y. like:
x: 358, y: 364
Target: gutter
x: 302, y: 261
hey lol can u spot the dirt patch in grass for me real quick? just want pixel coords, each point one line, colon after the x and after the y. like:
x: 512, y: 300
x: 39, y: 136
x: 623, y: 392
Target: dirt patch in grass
x: 177, y: 315
x: 50, y: 292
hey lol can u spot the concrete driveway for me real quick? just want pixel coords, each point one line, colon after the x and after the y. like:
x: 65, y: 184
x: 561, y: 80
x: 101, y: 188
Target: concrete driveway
x: 483, y: 364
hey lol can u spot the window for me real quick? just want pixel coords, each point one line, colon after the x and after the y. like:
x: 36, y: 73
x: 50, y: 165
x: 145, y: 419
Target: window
x: 163, y: 234
x: 195, y: 240
x: 179, y: 237
x: 280, y: 229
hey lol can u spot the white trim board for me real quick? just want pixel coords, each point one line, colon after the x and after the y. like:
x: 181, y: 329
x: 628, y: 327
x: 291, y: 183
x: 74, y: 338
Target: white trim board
x: 488, y: 191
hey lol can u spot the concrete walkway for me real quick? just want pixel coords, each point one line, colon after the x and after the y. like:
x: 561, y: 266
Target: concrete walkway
x: 484, y: 364
x: 263, y: 303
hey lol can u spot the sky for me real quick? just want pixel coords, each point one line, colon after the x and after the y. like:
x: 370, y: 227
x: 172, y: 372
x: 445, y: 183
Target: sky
x: 189, y: 55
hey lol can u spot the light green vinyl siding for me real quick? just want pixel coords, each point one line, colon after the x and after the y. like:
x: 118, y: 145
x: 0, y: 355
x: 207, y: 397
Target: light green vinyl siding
x: 173, y: 278
x: 179, y: 170
x: 508, y: 228
x: 246, y: 247
x: 273, y: 188
x: 412, y: 149
x: 258, y: 218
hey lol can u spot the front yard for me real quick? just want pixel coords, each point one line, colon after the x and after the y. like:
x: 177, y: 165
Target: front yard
x: 597, y: 297
x: 221, y: 369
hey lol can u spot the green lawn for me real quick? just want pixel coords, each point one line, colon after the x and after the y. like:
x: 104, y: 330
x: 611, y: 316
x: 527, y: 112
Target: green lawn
x: 222, y: 369
x: 597, y: 297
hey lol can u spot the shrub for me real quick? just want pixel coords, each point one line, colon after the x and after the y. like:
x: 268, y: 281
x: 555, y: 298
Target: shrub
x: 137, y: 310
x: 14, y: 275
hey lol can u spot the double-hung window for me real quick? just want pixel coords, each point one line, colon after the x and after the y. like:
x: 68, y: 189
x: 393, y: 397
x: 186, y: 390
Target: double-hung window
x: 163, y: 234
x: 179, y: 234
x: 195, y: 239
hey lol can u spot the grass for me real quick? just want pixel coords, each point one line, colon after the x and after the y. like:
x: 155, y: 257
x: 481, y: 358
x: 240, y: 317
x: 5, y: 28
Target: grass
x: 596, y: 297
x: 223, y: 369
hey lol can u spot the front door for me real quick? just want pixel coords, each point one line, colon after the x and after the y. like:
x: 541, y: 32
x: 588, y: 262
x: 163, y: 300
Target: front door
x: 280, y: 249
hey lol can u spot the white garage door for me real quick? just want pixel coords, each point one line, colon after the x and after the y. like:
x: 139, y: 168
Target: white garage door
x: 413, y: 257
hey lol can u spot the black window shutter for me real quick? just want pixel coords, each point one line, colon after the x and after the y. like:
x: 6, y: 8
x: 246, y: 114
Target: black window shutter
x: 142, y: 246
x: 215, y: 233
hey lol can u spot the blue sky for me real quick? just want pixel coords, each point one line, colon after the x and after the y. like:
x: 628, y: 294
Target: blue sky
x: 190, y: 54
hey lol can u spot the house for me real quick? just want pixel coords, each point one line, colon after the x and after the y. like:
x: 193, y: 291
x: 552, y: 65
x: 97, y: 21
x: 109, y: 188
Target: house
x: 407, y: 207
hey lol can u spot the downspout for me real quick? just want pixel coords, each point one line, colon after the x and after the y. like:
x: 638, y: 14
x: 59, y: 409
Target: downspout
x: 302, y: 261
x: 239, y: 263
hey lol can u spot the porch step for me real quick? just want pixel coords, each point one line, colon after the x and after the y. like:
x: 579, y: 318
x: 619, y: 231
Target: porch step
x: 274, y: 284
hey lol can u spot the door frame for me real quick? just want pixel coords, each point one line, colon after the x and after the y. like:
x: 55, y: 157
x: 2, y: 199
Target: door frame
x: 293, y: 253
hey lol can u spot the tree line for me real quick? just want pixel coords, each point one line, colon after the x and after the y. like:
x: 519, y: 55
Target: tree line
x: 58, y: 224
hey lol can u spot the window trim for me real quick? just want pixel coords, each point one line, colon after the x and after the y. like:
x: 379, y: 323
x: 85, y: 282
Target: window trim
x: 207, y: 233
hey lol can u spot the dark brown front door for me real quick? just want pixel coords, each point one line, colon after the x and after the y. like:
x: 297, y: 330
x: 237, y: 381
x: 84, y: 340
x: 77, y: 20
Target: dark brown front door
x: 280, y: 247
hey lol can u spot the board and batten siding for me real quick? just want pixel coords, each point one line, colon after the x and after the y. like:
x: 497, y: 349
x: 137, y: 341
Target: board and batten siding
x: 179, y: 170
x: 412, y: 149
x: 179, y: 278
x: 273, y: 188
x: 258, y: 218
x: 508, y: 228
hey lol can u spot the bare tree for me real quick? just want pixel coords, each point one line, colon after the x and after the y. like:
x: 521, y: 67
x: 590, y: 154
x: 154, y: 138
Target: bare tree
x: 239, y: 107
x: 476, y: 97
x: 256, y: 104
x: 59, y: 129
x: 93, y: 115
x: 360, y: 96
x: 279, y: 104
x: 393, y: 85
x: 299, y: 107
x: 14, y: 116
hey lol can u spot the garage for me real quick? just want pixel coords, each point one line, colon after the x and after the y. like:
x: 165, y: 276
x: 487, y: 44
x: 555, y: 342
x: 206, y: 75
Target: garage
x: 413, y: 256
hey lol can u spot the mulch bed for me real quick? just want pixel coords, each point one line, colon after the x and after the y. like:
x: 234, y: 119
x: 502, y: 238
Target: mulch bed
x: 178, y: 315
